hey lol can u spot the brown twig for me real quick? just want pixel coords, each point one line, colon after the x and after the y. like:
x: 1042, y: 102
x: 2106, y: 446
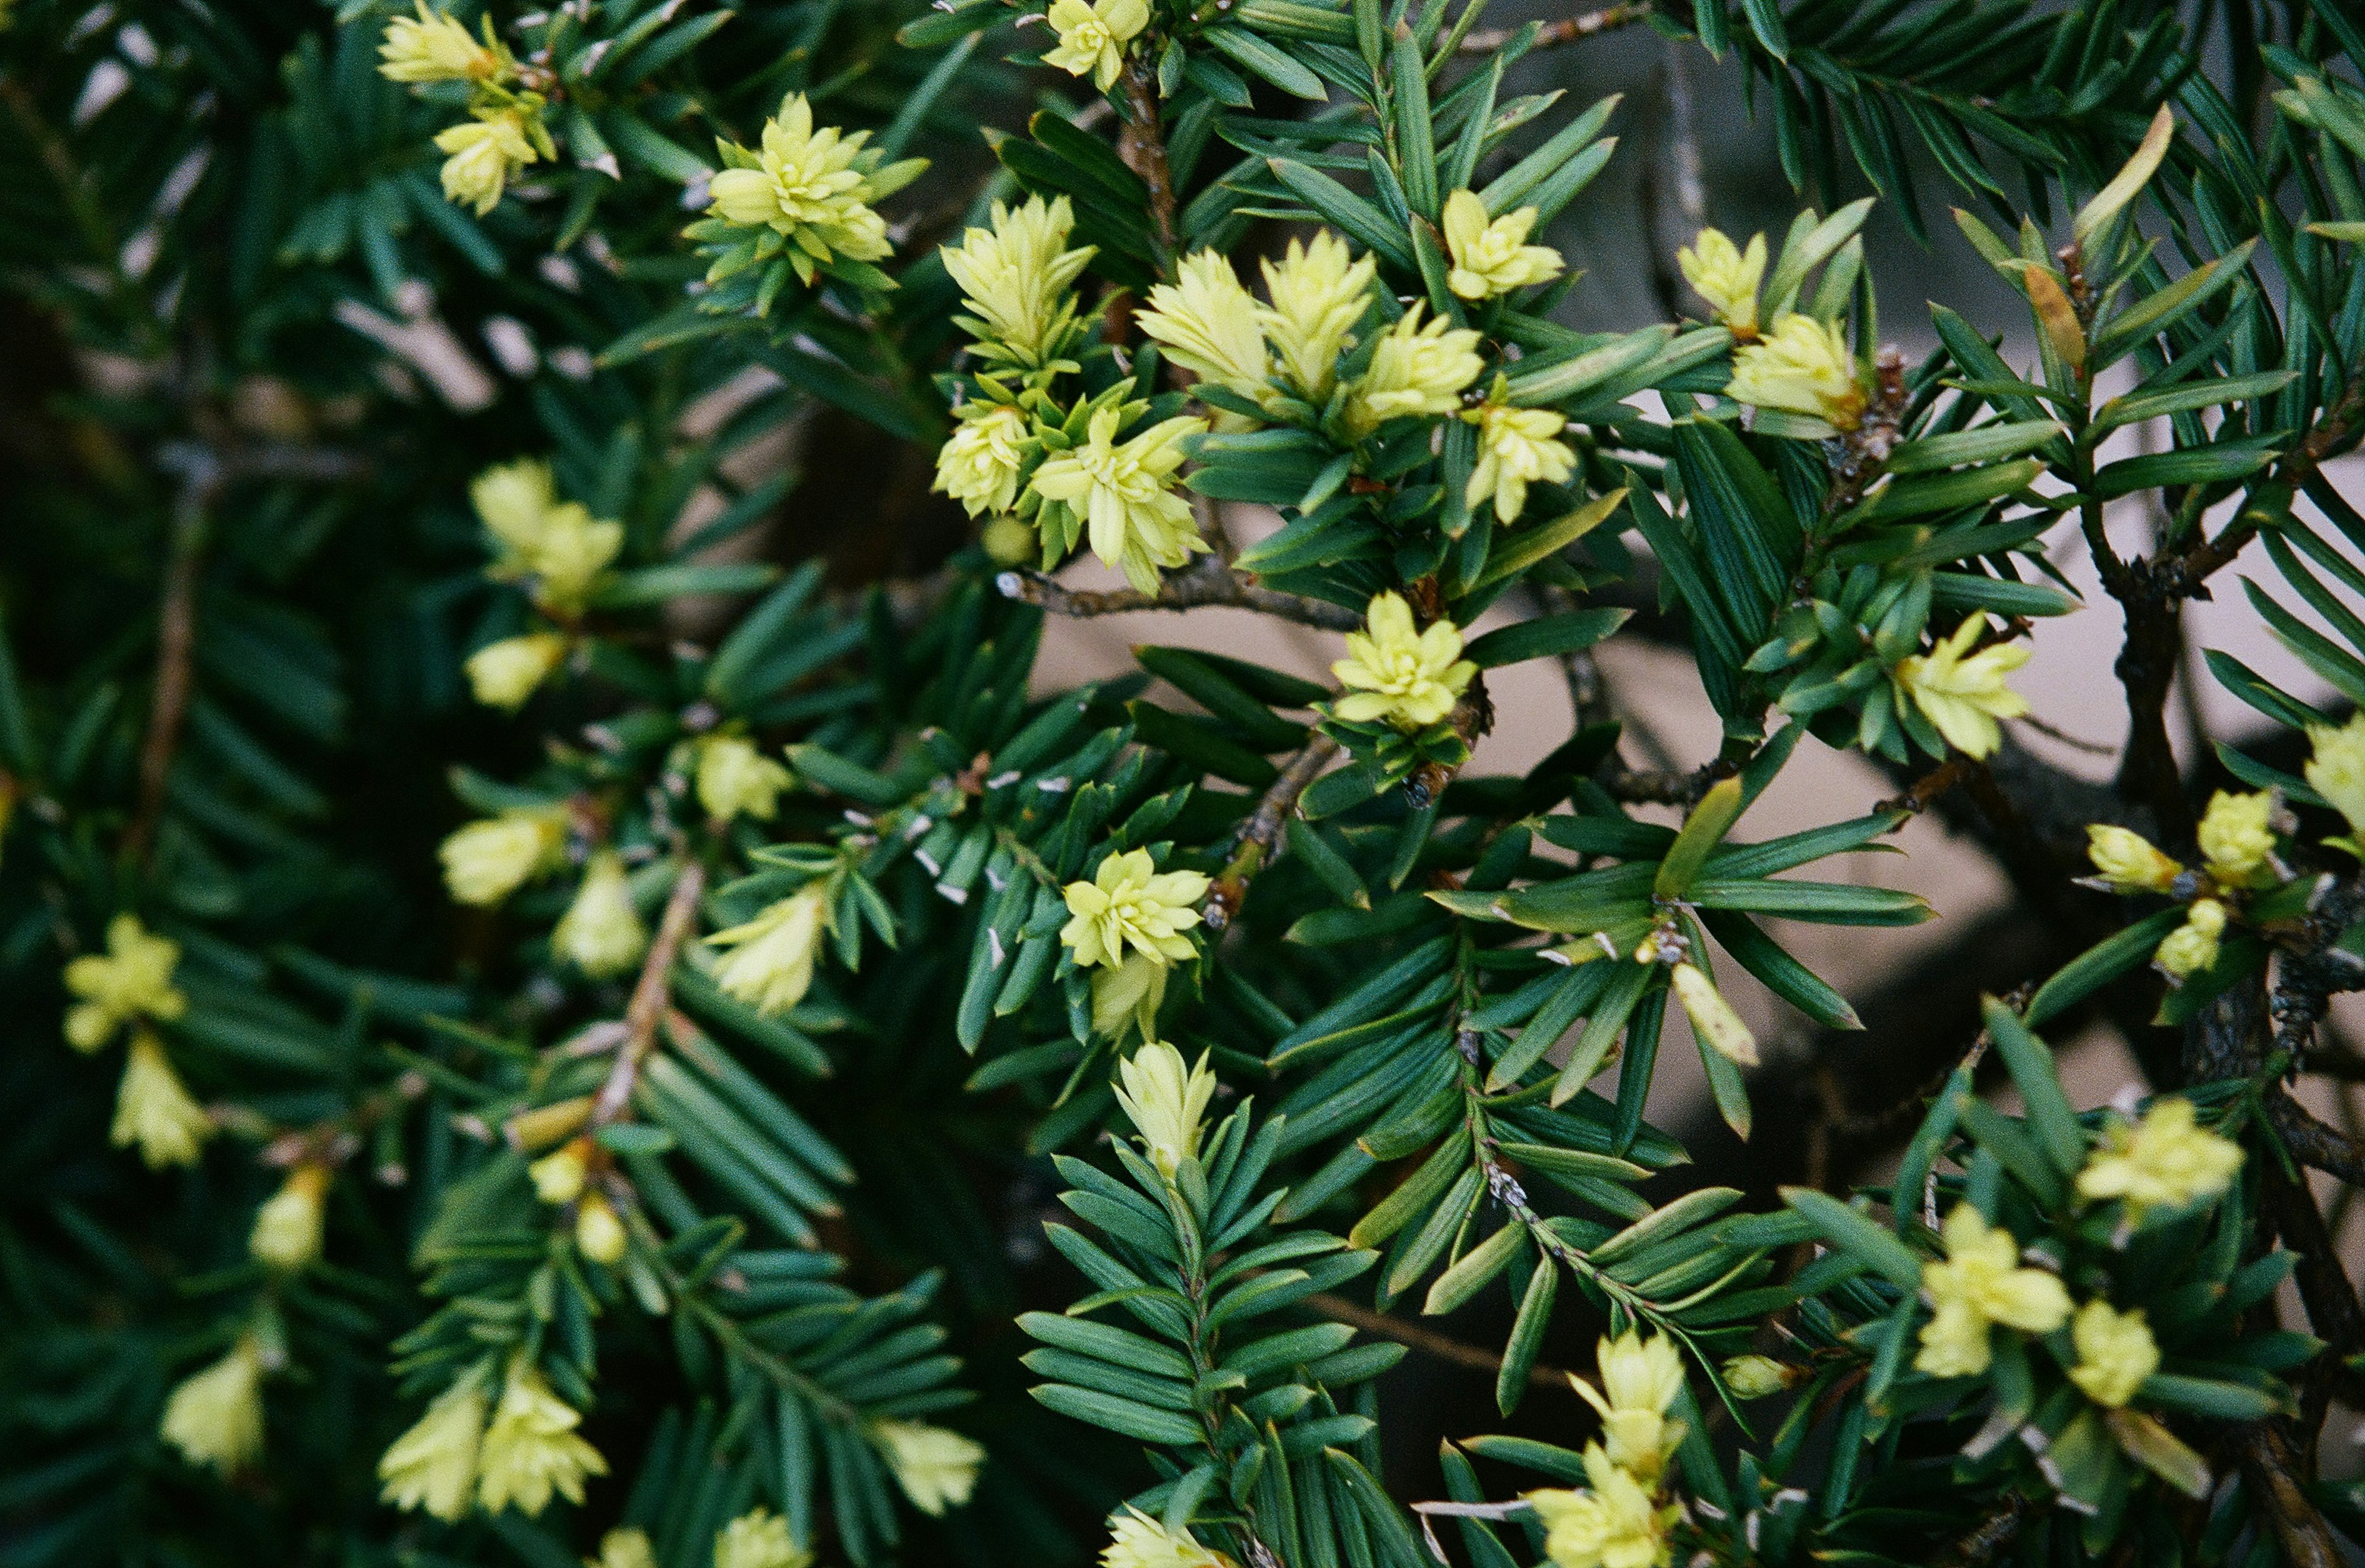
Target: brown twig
x: 1339, y: 1309
x: 1568, y: 29
x: 2272, y: 1468
x: 649, y: 993
x: 1257, y: 837
x: 1143, y: 145
x: 1209, y: 582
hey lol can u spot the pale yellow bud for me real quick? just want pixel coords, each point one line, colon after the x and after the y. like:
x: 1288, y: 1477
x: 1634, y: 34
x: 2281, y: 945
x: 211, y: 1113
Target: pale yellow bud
x: 1130, y: 906
x: 758, y: 1538
x: 2237, y: 836
x: 2192, y: 946
x: 624, y: 1547
x: 736, y: 779
x: 770, y: 963
x: 1167, y: 1103
x: 1754, y: 1377
x: 216, y: 1417
x: 486, y: 861
x: 153, y: 1110
x: 2336, y: 770
x: 1409, y: 679
x: 2127, y: 861
x: 1804, y: 368
x: 435, y: 47
x: 1138, y: 1540
x: 287, y: 1229
x: 2115, y: 1352
x: 504, y: 674
x: 132, y: 980
x: 935, y: 1467
x: 601, y: 934
x: 1492, y: 257
x: 1092, y: 34
x: 433, y: 1464
x: 1727, y: 278
x: 529, y: 1449
x: 1009, y: 541
x: 1517, y: 447
x: 599, y: 1233
x: 484, y: 154
x: 559, y: 1176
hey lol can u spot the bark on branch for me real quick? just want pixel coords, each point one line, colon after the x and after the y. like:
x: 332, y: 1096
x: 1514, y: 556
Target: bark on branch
x: 1208, y: 583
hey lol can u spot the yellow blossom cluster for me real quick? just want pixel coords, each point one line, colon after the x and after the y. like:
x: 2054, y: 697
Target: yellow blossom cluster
x: 1393, y: 673
x: 2164, y: 1161
x: 1803, y: 367
x: 556, y: 546
x: 1618, y: 1519
x: 486, y: 861
x: 1127, y: 926
x: 504, y: 131
x: 936, y: 1467
x: 1517, y: 447
x: 2237, y: 838
x: 215, y: 1418
x: 130, y: 985
x: 1491, y: 255
x: 522, y: 1450
x: 1962, y: 693
x: 1166, y: 1102
x: 1726, y: 276
x: 1092, y: 36
x: 1138, y: 1540
x: 813, y: 188
x: 769, y: 961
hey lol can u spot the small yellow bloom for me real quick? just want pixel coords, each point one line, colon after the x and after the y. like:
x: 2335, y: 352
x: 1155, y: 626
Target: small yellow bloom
x: 1754, y: 1377
x: 216, y: 1417
x: 1136, y: 1541
x: 2237, y: 836
x: 1016, y: 277
x: 530, y: 1448
x: 287, y: 1229
x: 483, y: 153
x: 1639, y: 1380
x: 435, y: 47
x: 624, y: 1547
x: 1712, y: 1017
x: 512, y: 499
x: 979, y: 463
x: 133, y: 979
x: 937, y: 1468
x: 758, y: 1538
x: 1727, y: 278
x: 433, y: 1464
x: 1804, y: 368
x: 153, y: 1110
x: 2128, y: 861
x: 770, y: 965
x: 1491, y: 258
x: 1409, y: 679
x: 1134, y: 520
x: 1092, y: 36
x: 2115, y: 1352
x: 1129, y: 903
x: 2166, y: 1161
x: 2336, y: 769
x: 1416, y: 369
x: 1516, y: 449
x: 559, y: 1176
x: 1167, y: 1103
x: 736, y: 779
x: 1319, y: 292
x: 1614, y: 1523
x: 601, y: 934
x: 814, y: 187
x: 1962, y: 693
x: 598, y: 1234
x: 1132, y: 992
x: 504, y: 674
x: 2191, y: 946
x: 486, y: 861
x: 1207, y: 323
x: 1982, y: 1283
x: 566, y: 560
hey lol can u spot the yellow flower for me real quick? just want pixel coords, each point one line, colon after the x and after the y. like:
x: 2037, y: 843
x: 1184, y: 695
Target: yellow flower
x: 2237, y: 836
x: 2128, y: 862
x: 1979, y: 1284
x: 1804, y: 368
x: 216, y: 1417
x: 1092, y: 36
x: 2191, y: 946
x: 1640, y: 1379
x: 770, y: 965
x: 568, y: 557
x: 1134, y: 521
x: 1167, y: 1104
x: 287, y: 1229
x: 812, y: 187
x: 1754, y: 1377
x: 1516, y: 449
x: 486, y: 861
x: 132, y: 980
x: 1727, y: 278
x: 624, y: 1547
x: 1131, y: 992
x: 2115, y: 1352
x: 937, y: 1468
x: 1207, y: 323
x: 435, y: 48
x: 1962, y: 693
x: 1409, y: 679
x: 736, y: 779
x: 483, y: 153
x: 758, y: 1538
x: 1491, y: 258
x: 504, y: 674
x: 512, y: 499
x: 598, y: 1234
x: 1415, y: 369
x: 1318, y: 293
x: 152, y: 1109
x: 979, y: 463
x: 559, y: 1176
x: 1614, y: 1523
x: 1015, y: 277
x: 1136, y: 1541
x: 2166, y: 1161
x: 1712, y: 1017
x: 2336, y: 770
x: 1130, y: 904
x: 601, y: 934
x: 433, y: 1464
x: 530, y: 1448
